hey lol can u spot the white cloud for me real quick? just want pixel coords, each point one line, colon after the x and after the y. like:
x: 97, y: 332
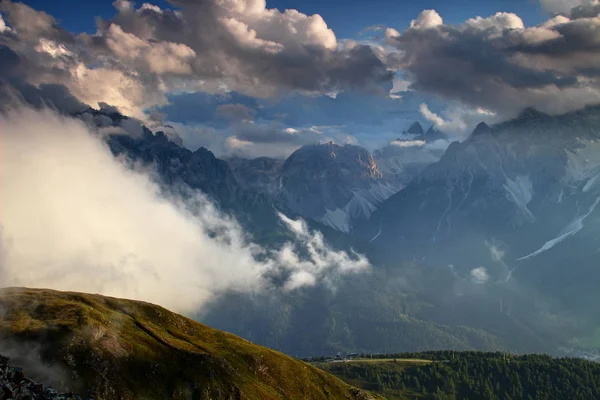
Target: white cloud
x: 95, y: 85
x: 438, y: 121
x: 75, y: 218
x: 500, y: 21
x: 479, y: 275
x: 391, y: 33
x: 427, y: 19
x: 459, y: 120
x: 399, y: 86
x: 408, y: 143
x: 322, y: 259
x: 3, y: 26
x: 55, y: 50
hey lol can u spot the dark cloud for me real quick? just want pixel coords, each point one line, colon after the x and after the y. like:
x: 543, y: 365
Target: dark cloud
x: 586, y: 10
x: 276, y: 133
x: 572, y: 8
x: 235, y: 112
x: 33, y: 25
x: 499, y: 64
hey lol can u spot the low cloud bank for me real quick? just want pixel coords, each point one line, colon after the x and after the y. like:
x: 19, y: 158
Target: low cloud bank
x: 75, y: 218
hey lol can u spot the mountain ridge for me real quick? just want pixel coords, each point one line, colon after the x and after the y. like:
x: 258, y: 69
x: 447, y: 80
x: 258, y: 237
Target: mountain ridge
x: 111, y: 348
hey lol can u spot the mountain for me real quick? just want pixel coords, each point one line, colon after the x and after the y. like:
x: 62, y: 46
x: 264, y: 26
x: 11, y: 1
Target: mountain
x: 417, y: 132
x: 405, y: 158
x: 113, y: 348
x: 198, y: 169
x: 512, y: 209
x: 15, y: 385
x: 259, y: 174
x: 333, y: 184
x: 506, y: 179
x: 415, y: 129
x: 432, y: 135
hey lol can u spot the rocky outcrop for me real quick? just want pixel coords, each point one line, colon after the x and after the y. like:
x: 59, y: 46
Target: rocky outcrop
x: 14, y: 385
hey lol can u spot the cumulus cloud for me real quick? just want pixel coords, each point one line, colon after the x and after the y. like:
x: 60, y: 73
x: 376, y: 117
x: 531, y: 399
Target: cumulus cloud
x: 75, y: 218
x: 215, y: 45
x: 498, y: 64
x: 427, y: 19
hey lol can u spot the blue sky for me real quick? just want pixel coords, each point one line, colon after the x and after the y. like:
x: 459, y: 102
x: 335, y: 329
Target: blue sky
x: 346, y: 17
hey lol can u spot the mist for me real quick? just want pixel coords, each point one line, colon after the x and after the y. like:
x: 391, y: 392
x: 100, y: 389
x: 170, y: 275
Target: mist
x: 73, y: 217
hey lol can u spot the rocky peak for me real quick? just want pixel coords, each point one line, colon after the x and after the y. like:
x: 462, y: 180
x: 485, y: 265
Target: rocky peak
x: 482, y: 128
x: 333, y: 184
x: 415, y: 129
x: 372, y: 170
x: 432, y: 135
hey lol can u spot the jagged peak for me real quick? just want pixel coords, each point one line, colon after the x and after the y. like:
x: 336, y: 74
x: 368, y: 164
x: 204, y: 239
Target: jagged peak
x: 431, y: 130
x: 433, y: 134
x: 481, y: 129
x: 204, y: 151
x: 415, y: 129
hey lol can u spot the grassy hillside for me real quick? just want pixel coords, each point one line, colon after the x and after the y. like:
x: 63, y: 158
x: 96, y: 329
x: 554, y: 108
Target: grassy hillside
x: 472, y: 375
x: 121, y: 349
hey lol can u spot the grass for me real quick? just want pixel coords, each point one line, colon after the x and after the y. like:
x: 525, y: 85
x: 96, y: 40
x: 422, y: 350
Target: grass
x: 135, y: 350
x: 343, y: 370
x: 388, y: 360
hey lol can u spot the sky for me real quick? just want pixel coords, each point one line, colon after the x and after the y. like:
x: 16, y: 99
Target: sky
x: 249, y: 78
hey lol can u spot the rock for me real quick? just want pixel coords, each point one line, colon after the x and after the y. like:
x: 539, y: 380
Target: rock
x: 15, y: 386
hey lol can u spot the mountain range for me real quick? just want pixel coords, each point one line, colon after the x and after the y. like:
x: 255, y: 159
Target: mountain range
x: 489, y: 243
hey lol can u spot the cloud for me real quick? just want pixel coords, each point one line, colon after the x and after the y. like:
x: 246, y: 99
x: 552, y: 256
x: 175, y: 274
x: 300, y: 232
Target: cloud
x: 143, y: 53
x: 427, y: 19
x: 75, y: 218
x: 479, y: 275
x: 251, y: 138
x: 274, y: 139
x: 498, y: 64
x: 563, y: 6
x: 235, y: 112
x: 587, y: 9
x: 322, y: 259
x: 408, y: 143
x: 3, y: 26
x: 459, y: 120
